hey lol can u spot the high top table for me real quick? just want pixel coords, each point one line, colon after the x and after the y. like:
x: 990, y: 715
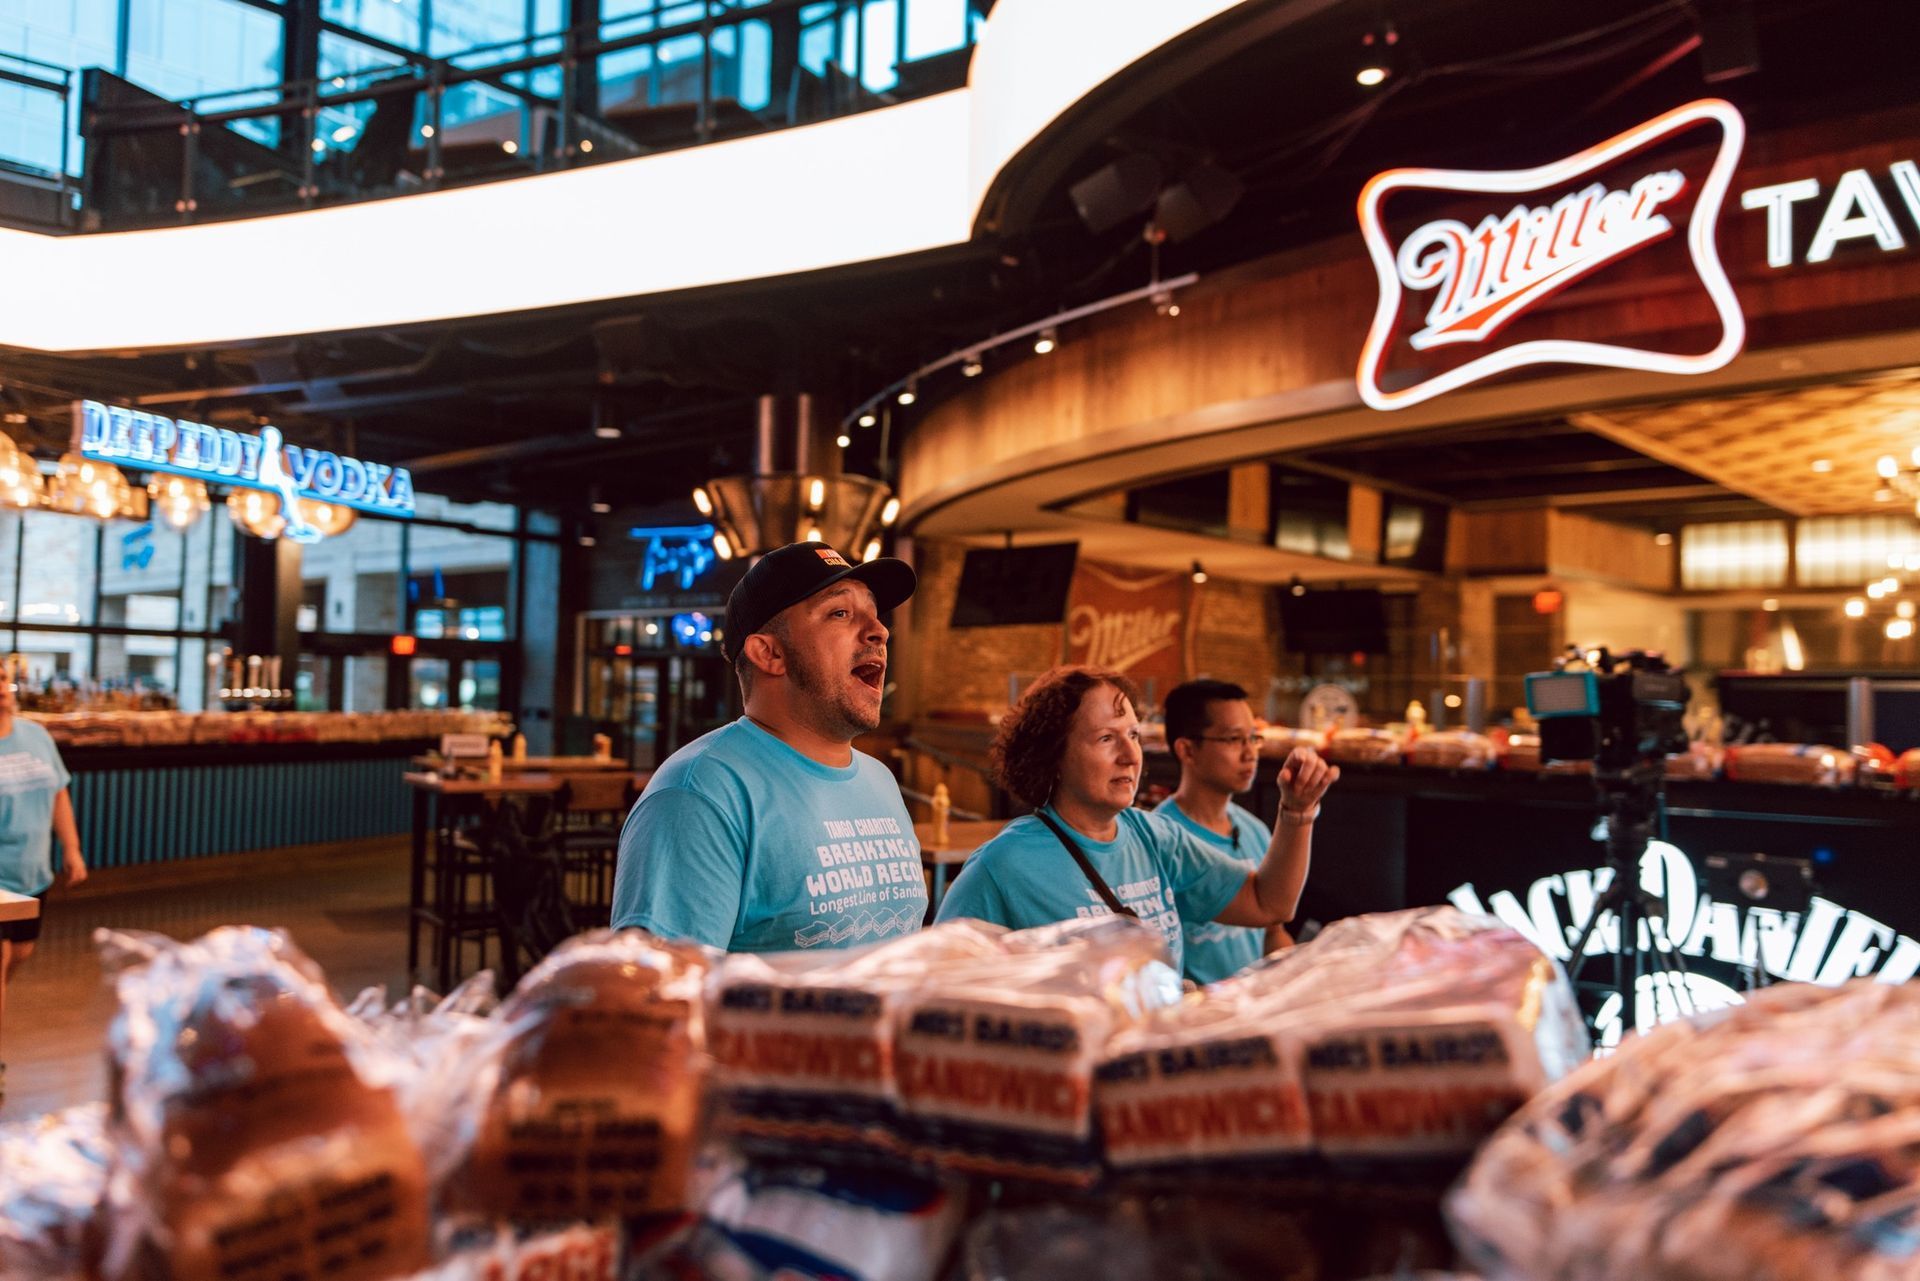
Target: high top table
x: 18, y: 907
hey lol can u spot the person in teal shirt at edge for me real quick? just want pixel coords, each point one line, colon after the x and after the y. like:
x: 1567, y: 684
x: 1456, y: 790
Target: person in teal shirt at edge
x: 1071, y: 748
x: 34, y: 809
x: 772, y: 833
x: 1212, y: 733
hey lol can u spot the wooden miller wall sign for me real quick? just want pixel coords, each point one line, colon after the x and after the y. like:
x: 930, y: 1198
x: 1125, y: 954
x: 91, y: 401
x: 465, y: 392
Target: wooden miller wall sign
x: 1137, y: 622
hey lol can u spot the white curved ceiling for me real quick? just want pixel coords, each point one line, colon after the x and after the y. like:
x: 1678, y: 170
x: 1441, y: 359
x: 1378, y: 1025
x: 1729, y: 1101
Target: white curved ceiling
x: 865, y: 188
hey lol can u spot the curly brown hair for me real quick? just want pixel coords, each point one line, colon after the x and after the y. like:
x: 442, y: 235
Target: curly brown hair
x: 1033, y: 736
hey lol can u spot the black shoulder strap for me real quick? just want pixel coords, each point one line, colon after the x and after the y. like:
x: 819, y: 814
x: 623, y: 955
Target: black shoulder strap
x: 1093, y: 876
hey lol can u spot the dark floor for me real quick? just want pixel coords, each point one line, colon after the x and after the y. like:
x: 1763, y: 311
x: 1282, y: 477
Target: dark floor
x: 345, y: 905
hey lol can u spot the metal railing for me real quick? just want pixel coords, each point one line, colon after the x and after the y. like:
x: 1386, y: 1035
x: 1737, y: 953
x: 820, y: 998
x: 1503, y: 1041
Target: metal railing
x: 544, y: 105
x: 40, y: 193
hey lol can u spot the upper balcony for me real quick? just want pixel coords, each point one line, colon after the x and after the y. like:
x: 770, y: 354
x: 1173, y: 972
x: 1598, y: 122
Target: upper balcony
x: 376, y: 118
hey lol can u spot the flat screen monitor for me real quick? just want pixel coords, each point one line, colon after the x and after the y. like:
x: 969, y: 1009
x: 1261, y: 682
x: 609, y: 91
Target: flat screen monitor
x: 1006, y: 587
x: 1340, y: 621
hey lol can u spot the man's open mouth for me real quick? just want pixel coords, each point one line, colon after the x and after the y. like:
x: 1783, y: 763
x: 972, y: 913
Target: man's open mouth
x: 873, y: 675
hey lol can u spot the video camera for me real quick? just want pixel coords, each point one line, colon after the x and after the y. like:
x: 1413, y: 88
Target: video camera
x: 1614, y: 711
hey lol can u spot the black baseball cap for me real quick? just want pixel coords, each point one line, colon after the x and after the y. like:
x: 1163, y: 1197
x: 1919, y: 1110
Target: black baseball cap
x: 793, y: 573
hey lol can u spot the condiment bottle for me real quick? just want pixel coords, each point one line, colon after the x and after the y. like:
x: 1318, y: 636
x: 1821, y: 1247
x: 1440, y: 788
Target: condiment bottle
x: 519, y: 747
x: 496, y: 763
x: 942, y: 811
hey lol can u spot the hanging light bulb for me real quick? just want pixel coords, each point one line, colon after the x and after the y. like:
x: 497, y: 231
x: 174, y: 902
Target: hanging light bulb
x: 721, y: 546
x: 812, y: 534
x: 20, y: 483
x: 873, y: 550
x: 890, y: 512
x: 702, y: 503
x: 256, y: 513
x: 85, y: 487
x: 1049, y: 339
x: 178, y: 500
x: 330, y: 519
x: 1856, y: 608
x: 816, y: 494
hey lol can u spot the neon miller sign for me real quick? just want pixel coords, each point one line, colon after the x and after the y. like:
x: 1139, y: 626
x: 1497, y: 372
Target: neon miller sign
x: 264, y: 461
x: 1482, y: 277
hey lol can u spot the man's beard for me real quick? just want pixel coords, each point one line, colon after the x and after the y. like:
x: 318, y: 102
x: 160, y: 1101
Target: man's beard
x: 833, y: 707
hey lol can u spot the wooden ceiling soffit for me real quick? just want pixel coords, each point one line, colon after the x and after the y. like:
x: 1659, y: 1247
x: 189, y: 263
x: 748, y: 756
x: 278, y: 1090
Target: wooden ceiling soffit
x: 1809, y: 451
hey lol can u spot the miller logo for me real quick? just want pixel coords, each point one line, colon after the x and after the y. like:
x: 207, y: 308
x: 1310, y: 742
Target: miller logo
x: 1469, y: 281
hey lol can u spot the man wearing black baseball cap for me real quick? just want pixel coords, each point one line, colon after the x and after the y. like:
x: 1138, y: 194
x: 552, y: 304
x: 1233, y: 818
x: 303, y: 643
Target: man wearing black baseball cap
x: 772, y: 833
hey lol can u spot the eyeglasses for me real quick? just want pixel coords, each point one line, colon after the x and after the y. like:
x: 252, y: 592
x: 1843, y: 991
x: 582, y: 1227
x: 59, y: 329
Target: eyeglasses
x: 1234, y: 740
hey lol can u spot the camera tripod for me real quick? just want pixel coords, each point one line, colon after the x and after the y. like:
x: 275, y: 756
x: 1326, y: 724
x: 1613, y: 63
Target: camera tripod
x: 1631, y: 799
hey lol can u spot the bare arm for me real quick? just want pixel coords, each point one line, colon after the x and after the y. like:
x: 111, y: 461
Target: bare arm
x: 67, y: 832
x: 1272, y: 893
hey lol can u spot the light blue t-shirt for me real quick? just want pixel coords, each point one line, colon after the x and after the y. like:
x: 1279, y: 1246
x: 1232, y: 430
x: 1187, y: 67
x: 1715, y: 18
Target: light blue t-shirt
x: 31, y: 776
x: 1024, y: 877
x: 744, y: 843
x: 1213, y: 950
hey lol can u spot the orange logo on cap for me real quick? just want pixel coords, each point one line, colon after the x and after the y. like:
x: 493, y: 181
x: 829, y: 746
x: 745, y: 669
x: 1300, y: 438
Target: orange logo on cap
x: 830, y: 556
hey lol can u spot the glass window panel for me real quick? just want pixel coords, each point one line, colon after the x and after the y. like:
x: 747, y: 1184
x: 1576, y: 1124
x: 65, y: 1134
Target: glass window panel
x: 73, y: 34
x: 355, y: 578
x: 395, y: 21
x: 875, y: 29
x: 197, y: 555
x: 54, y: 658
x: 752, y: 81
x: 1750, y: 553
x: 449, y: 570
x: 479, y: 688
x: 936, y: 26
x: 364, y: 688
x: 10, y: 524
x: 187, y: 48
x: 139, y: 664
x: 310, y: 683
x: 1848, y: 551
x: 430, y: 683
x: 57, y: 569
x: 191, y: 693
x: 141, y: 563
x: 500, y: 516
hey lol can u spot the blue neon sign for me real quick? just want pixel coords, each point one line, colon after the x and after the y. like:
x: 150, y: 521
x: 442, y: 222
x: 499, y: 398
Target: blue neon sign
x: 265, y: 461
x: 683, y: 552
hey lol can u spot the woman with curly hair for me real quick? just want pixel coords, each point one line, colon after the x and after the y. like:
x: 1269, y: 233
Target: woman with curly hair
x: 1071, y: 749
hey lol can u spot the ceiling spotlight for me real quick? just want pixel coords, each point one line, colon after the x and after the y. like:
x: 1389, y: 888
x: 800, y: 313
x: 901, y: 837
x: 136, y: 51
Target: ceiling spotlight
x: 426, y: 131
x: 1296, y: 587
x: 702, y: 503
x: 721, y: 548
x: 1199, y: 572
x: 891, y: 512
x: 1663, y: 539
x: 1377, y: 55
x: 908, y: 394
x: 843, y: 440
x: 1856, y: 608
x: 586, y: 145
x: 816, y: 494
x: 599, y: 507
x: 1049, y: 339
x: 319, y: 145
x: 1899, y: 628
x: 1876, y: 590
x: 1888, y: 466
x: 510, y: 147
x: 812, y: 535
x: 1905, y: 609
x: 972, y: 366
x: 867, y: 419
x: 1164, y: 305
x: 872, y: 552
x: 607, y: 433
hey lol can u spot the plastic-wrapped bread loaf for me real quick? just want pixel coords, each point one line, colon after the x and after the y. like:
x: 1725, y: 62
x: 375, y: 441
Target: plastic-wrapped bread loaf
x: 802, y: 1043
x: 1813, y: 764
x: 1363, y: 747
x: 256, y: 1133
x: 1451, y: 749
x: 1773, y: 1141
x: 994, y: 1059
x: 53, y: 1171
x: 582, y: 1100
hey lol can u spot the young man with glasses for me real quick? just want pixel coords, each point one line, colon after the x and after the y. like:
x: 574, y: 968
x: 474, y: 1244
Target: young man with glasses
x: 1211, y: 731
